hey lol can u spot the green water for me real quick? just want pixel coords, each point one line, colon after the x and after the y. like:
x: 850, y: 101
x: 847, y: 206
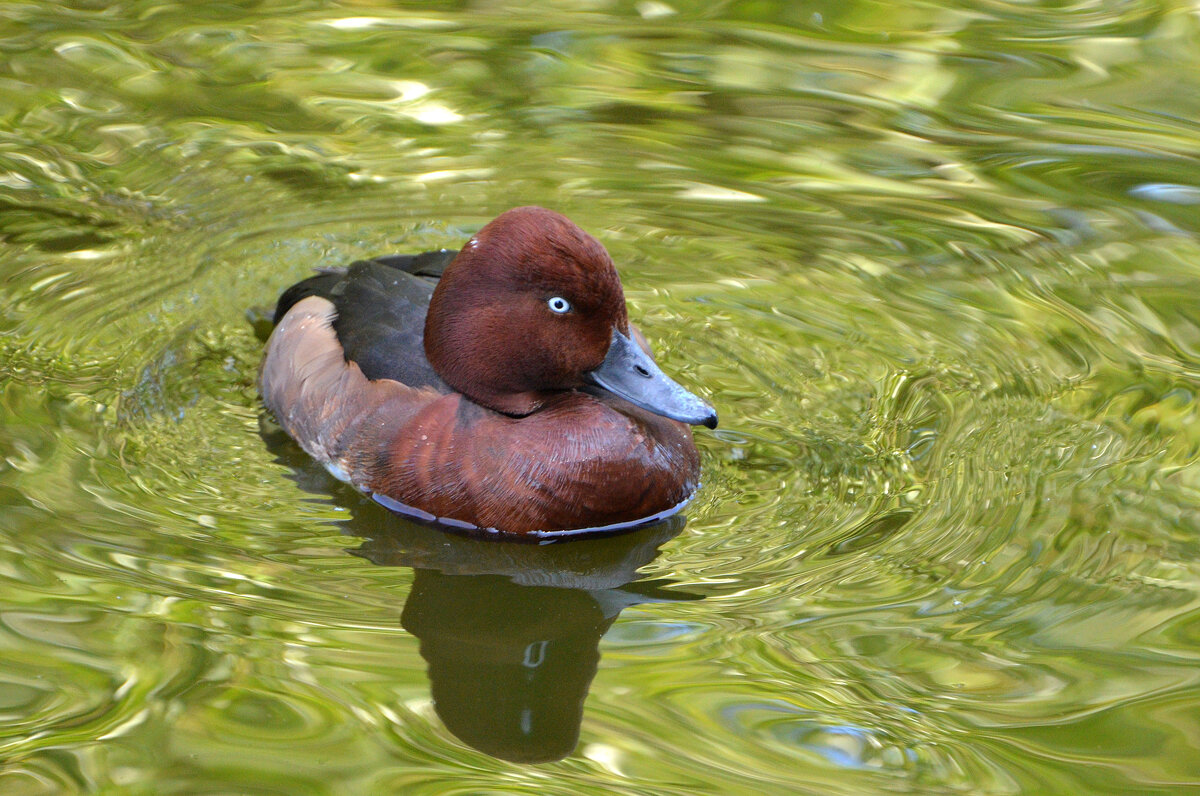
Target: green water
x: 936, y: 264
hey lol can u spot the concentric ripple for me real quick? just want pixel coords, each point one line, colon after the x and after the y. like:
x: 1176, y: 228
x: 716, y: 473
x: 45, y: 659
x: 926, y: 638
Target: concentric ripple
x: 936, y: 265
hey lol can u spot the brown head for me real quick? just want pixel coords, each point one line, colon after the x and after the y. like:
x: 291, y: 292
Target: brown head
x: 533, y: 306
x: 527, y: 307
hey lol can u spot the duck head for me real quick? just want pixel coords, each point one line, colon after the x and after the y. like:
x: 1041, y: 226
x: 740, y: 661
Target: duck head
x: 532, y: 307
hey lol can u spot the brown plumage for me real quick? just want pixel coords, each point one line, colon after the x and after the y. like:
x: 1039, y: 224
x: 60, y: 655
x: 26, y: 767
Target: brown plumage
x: 496, y: 422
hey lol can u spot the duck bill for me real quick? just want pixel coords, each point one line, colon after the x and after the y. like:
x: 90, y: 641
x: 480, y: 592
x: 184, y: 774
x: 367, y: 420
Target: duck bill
x: 628, y: 372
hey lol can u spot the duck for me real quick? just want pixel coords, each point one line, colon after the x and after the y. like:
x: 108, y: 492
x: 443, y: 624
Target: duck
x: 499, y: 388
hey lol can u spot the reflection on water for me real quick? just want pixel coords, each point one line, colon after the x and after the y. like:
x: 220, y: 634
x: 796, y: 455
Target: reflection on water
x: 510, y: 659
x: 936, y: 264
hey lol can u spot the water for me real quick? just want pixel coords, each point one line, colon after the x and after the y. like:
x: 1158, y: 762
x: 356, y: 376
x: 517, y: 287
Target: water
x: 935, y: 264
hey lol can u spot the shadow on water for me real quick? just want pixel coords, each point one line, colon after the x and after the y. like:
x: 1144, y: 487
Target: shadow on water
x: 510, y: 631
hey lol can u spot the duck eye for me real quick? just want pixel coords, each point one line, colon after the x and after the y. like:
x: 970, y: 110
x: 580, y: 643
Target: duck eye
x: 559, y: 304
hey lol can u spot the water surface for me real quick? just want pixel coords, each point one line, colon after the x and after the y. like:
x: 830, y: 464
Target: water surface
x: 937, y: 266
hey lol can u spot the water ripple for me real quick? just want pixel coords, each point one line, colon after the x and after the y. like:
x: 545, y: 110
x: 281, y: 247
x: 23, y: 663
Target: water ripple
x: 936, y: 266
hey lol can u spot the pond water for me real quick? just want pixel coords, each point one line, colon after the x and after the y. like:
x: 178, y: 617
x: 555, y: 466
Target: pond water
x: 936, y: 264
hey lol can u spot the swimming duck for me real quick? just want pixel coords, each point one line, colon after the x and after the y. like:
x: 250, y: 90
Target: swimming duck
x: 498, y: 388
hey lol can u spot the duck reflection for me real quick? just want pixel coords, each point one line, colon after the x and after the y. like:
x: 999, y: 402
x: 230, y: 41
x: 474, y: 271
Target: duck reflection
x: 509, y: 665
x: 510, y: 631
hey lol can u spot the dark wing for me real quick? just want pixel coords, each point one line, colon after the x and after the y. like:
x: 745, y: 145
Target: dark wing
x: 381, y: 307
x: 431, y: 264
x: 427, y: 264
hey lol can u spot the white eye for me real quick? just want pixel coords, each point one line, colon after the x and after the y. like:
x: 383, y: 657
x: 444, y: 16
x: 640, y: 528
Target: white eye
x: 559, y: 304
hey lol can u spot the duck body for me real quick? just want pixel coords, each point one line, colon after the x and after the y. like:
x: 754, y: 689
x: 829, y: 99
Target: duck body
x: 491, y: 388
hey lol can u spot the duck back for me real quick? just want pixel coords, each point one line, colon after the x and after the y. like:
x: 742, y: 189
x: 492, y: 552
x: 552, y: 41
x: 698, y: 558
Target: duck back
x: 380, y: 313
